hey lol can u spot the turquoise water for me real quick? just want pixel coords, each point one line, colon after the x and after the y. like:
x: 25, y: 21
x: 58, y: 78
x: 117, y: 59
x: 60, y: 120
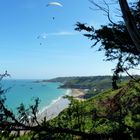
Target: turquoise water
x: 25, y: 91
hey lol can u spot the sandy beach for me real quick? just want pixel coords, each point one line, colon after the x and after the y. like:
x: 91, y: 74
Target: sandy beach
x: 78, y: 94
x: 59, y: 105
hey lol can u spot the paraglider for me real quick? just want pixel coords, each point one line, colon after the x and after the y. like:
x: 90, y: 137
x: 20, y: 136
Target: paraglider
x: 54, y: 4
x: 41, y: 37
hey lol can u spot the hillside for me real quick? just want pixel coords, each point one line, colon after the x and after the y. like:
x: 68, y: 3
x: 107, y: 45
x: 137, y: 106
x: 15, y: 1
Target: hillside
x: 92, y: 84
x: 108, y: 115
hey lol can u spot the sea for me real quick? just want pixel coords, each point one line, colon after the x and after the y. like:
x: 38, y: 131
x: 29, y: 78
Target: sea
x: 26, y: 91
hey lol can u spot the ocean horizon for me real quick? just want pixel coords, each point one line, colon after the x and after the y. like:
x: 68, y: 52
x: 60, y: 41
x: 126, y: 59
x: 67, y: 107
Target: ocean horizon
x: 26, y: 91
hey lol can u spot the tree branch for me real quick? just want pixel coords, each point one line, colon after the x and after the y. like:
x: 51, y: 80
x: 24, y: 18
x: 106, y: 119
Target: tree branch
x: 106, y: 10
x: 130, y: 23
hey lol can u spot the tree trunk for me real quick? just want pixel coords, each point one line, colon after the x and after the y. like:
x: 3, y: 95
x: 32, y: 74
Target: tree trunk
x: 130, y: 23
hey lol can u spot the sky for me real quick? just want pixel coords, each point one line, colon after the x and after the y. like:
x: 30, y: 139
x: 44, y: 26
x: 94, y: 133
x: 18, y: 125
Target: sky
x: 39, y: 42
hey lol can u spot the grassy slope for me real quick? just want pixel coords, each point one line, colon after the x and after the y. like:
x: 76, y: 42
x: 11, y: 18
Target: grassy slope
x: 110, y: 102
x: 107, y: 112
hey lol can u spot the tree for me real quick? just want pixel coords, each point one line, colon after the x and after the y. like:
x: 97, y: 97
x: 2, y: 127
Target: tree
x: 116, y: 41
x: 118, y: 45
x: 130, y: 23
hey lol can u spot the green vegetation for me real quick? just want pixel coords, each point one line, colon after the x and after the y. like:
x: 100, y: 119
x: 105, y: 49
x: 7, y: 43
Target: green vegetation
x: 118, y: 41
x: 92, y: 84
x: 110, y: 114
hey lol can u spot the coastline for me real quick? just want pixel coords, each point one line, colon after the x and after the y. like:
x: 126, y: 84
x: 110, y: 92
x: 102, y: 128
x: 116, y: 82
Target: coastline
x: 78, y: 94
x: 60, y: 104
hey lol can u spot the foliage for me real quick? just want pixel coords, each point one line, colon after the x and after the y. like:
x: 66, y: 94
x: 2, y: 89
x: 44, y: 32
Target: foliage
x: 11, y: 124
x: 116, y: 43
x: 109, y: 115
x: 91, y: 85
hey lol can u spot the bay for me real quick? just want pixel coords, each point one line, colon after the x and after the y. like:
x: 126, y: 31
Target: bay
x: 26, y: 91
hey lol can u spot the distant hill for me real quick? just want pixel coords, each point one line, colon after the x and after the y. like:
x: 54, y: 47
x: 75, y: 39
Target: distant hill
x: 60, y: 79
x: 94, y: 84
x: 82, y: 79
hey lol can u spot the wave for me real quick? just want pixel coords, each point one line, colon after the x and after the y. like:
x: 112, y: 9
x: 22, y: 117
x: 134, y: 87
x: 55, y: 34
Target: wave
x: 59, y: 100
x: 68, y: 92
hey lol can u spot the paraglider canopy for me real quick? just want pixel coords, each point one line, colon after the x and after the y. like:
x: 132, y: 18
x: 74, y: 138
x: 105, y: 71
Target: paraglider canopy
x: 54, y: 4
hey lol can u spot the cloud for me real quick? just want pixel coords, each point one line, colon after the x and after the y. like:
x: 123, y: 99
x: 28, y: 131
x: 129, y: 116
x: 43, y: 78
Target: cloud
x: 61, y: 33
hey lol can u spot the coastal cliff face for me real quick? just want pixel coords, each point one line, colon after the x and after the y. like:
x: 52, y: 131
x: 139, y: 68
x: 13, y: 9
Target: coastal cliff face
x: 92, y: 84
x: 89, y: 82
x: 76, y: 86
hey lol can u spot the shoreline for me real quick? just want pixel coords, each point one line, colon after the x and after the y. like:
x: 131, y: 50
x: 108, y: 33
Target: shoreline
x: 60, y: 104
x: 78, y: 94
